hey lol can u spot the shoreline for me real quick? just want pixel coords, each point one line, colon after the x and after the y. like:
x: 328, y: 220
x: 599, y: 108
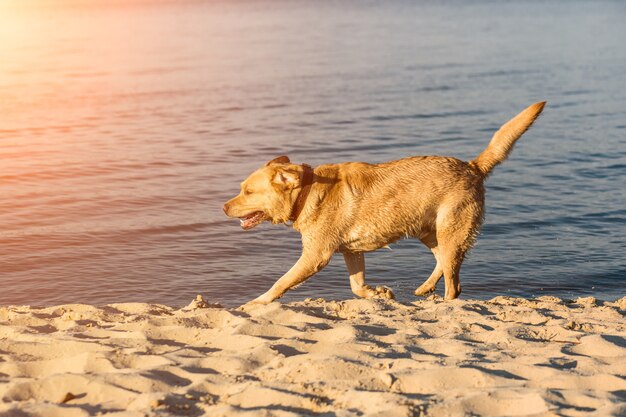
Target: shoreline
x: 504, y: 356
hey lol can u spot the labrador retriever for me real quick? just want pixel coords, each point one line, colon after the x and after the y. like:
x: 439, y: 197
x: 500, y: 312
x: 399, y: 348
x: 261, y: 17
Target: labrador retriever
x: 356, y: 207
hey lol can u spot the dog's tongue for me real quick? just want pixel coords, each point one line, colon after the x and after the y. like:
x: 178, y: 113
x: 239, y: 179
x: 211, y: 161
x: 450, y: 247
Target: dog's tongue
x: 246, y: 224
x: 251, y: 220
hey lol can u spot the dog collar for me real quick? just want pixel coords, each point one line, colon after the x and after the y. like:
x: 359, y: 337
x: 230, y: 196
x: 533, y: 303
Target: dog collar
x: 307, y: 181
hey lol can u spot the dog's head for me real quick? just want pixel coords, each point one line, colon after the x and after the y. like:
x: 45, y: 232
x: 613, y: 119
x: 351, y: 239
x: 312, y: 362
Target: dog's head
x: 269, y: 193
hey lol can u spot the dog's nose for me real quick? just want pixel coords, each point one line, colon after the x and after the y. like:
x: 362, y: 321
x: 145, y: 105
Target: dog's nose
x: 225, y: 208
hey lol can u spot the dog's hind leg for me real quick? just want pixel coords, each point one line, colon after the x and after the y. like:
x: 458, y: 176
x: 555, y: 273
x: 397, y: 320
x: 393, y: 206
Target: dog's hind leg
x: 356, y: 268
x: 456, y: 232
x: 431, y: 283
x: 451, y: 260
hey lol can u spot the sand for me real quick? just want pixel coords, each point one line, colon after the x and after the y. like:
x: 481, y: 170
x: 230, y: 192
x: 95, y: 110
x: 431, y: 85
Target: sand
x: 506, y: 356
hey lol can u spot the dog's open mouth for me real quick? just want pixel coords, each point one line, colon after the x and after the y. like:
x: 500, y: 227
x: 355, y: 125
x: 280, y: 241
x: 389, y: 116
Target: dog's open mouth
x: 251, y: 220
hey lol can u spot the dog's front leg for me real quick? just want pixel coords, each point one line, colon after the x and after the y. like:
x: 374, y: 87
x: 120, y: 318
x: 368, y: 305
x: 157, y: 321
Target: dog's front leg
x: 311, y: 261
x: 356, y: 268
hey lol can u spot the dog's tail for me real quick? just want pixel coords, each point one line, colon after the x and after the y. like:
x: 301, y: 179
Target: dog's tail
x: 503, y: 140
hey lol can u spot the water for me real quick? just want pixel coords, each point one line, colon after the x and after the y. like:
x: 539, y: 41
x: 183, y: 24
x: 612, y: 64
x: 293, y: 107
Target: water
x: 124, y: 127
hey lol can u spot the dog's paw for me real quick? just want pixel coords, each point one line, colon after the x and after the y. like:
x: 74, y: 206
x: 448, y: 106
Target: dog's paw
x: 259, y: 301
x: 424, y: 290
x: 379, y: 292
x: 252, y: 303
x: 385, y: 292
x: 251, y: 306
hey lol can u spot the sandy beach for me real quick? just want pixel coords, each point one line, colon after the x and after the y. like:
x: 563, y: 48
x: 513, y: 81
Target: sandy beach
x: 506, y: 356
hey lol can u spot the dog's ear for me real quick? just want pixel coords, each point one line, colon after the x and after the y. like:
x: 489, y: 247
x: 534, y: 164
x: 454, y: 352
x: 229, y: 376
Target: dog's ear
x: 287, y: 178
x: 280, y: 160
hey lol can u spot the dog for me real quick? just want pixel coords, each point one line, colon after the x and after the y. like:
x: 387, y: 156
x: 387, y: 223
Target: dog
x: 356, y: 207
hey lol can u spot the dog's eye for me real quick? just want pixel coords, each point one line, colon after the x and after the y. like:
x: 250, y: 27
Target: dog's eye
x: 247, y: 191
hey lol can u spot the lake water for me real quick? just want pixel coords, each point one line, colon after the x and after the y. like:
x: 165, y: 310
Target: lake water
x: 124, y: 127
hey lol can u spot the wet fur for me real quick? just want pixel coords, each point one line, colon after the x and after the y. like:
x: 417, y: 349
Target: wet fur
x: 357, y: 207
